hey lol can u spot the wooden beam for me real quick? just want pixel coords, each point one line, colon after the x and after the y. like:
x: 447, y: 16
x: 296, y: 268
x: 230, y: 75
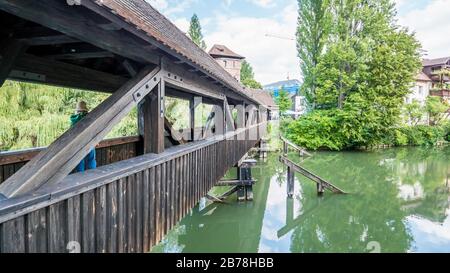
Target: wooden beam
x: 313, y: 177
x: 193, y: 104
x: 130, y: 68
x: 82, y: 55
x: 49, y: 40
x: 157, y: 119
x: 228, y: 117
x: 64, y: 74
x: 62, y: 156
x: 299, y: 149
x: 71, y: 21
x: 175, y: 135
x: 10, y: 50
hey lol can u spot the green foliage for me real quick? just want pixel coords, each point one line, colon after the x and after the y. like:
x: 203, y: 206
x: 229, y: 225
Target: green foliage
x: 195, y: 32
x: 317, y: 130
x: 35, y: 115
x: 334, y: 130
x: 283, y: 101
x: 414, y: 112
x: 363, y: 71
x: 252, y: 83
x: 248, y: 76
x: 312, y: 33
x: 423, y: 135
x: 437, y: 109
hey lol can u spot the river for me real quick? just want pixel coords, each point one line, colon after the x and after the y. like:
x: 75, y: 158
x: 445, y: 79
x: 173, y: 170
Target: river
x: 399, y: 201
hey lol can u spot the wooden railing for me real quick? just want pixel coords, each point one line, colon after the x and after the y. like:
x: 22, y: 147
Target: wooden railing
x: 108, y: 151
x: 126, y: 206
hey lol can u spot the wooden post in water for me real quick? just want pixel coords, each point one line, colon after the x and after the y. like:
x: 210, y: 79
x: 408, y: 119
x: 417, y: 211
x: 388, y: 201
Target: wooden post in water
x: 290, y: 182
x: 244, y: 172
x: 263, y: 149
x: 320, y: 189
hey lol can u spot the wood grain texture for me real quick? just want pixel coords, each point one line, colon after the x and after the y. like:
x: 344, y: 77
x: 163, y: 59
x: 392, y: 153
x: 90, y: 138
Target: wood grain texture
x: 126, y: 214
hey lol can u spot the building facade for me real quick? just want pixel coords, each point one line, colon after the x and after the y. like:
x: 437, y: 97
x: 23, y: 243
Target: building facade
x: 229, y: 60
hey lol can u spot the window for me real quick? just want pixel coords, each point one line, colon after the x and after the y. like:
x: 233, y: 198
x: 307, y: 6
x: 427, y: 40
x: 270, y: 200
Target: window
x: 420, y: 90
x: 225, y: 63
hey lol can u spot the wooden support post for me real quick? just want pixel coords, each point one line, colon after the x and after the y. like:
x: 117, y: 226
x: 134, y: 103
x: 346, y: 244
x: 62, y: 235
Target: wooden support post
x: 219, y: 119
x: 61, y: 157
x: 157, y: 120
x: 193, y: 103
x: 290, y: 182
x: 151, y: 121
x: 320, y: 189
x: 244, y: 172
x: 285, y: 148
x: 10, y: 50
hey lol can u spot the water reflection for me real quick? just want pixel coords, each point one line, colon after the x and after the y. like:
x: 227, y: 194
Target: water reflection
x: 400, y: 199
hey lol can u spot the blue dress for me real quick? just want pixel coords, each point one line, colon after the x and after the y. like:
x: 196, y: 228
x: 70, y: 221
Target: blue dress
x: 89, y: 162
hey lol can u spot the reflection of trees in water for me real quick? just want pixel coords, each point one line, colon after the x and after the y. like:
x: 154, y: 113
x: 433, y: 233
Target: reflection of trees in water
x: 373, y: 212
x: 347, y: 223
x: 428, y: 167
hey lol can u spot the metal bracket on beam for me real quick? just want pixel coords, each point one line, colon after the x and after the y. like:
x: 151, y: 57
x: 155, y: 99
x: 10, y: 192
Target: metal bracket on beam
x: 23, y: 75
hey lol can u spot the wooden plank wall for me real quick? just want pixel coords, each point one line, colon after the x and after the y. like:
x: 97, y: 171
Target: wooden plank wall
x: 130, y: 214
x: 108, y: 151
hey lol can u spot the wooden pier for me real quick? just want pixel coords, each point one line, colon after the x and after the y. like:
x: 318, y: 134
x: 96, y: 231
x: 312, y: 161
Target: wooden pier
x: 322, y: 184
x: 144, y: 184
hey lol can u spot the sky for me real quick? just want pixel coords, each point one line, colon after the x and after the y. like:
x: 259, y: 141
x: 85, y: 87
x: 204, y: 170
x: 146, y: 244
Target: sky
x: 264, y: 30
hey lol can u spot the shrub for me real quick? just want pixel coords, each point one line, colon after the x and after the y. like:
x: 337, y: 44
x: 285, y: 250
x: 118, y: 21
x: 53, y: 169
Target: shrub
x: 318, y: 130
x: 400, y: 138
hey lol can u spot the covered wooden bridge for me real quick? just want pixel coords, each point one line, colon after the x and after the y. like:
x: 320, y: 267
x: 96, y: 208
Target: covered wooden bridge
x: 145, y: 184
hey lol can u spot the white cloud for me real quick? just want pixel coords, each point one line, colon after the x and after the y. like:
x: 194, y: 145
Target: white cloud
x: 272, y: 58
x: 432, y: 26
x: 264, y: 3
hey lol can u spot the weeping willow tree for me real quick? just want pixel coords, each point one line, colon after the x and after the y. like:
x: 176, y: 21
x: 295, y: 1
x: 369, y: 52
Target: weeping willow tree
x: 35, y: 115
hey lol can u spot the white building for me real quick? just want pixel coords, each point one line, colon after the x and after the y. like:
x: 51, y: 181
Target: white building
x: 421, y: 89
x: 420, y: 92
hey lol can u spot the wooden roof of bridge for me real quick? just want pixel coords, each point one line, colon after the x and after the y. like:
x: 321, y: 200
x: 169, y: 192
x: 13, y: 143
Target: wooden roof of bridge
x: 110, y: 30
x: 147, y: 19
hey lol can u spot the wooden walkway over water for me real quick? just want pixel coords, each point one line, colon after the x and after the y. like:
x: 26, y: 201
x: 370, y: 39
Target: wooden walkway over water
x: 145, y: 184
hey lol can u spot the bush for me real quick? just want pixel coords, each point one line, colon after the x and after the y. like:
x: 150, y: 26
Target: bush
x: 400, y: 138
x: 318, y: 130
x: 422, y: 135
x: 330, y: 129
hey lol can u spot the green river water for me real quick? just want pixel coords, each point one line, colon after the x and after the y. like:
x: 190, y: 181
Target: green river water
x: 399, y: 202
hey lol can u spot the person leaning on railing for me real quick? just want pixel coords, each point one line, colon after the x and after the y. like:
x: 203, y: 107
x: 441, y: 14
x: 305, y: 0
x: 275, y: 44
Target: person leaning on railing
x: 89, y: 162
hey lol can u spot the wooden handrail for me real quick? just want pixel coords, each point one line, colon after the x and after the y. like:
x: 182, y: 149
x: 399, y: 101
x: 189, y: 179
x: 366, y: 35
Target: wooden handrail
x: 12, y: 157
x: 294, y: 146
x: 313, y: 177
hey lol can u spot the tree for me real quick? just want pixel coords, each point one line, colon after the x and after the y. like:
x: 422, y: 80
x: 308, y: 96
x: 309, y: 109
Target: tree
x: 283, y: 101
x: 312, y: 32
x: 195, y: 32
x: 248, y: 76
x: 414, y: 112
x: 437, y: 109
x: 365, y: 70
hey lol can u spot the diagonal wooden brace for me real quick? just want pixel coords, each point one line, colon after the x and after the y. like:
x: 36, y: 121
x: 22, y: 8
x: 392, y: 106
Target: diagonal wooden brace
x: 61, y: 157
